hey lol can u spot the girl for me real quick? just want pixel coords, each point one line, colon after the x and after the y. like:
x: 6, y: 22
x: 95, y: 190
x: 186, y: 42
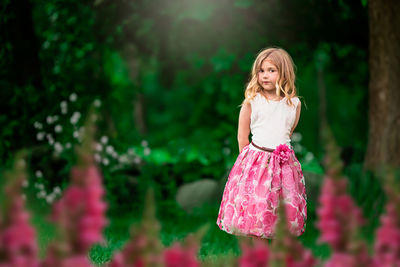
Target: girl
x: 267, y: 167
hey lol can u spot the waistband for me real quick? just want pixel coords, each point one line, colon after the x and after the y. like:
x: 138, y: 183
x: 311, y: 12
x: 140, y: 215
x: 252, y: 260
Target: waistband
x: 262, y: 148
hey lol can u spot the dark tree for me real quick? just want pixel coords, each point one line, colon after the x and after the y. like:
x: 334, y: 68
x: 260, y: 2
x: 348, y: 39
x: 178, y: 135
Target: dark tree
x: 384, y: 84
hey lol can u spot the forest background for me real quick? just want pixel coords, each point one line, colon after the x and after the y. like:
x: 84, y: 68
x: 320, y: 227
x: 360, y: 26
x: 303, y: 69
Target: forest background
x: 167, y: 78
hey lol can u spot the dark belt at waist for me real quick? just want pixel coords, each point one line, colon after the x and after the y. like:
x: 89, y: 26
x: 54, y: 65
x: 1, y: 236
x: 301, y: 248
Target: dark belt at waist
x: 263, y: 148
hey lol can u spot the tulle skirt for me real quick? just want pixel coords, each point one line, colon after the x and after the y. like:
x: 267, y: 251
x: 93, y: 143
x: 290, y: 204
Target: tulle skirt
x: 251, y: 194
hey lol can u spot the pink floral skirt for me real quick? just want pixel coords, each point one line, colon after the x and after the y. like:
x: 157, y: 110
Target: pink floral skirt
x: 250, y: 199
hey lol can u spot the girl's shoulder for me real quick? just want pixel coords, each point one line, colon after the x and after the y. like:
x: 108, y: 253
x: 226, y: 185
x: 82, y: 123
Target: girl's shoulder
x: 295, y: 101
x: 254, y: 99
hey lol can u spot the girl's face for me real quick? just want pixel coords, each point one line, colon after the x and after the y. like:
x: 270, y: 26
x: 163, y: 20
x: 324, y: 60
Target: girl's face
x: 268, y: 75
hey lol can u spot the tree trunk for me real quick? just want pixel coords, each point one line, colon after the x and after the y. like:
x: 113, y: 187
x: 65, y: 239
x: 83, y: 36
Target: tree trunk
x: 384, y: 84
x: 26, y: 65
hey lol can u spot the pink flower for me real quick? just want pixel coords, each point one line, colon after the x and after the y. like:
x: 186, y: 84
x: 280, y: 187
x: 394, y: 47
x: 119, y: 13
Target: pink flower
x: 176, y: 256
x: 387, y: 241
x: 81, y: 214
x: 340, y: 260
x: 18, y: 245
x: 254, y: 256
x: 282, y: 152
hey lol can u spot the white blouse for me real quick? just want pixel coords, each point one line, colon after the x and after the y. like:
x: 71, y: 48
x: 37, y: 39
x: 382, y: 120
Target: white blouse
x: 271, y: 121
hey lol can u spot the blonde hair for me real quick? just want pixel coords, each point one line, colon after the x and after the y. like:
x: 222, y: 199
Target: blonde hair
x: 286, y: 77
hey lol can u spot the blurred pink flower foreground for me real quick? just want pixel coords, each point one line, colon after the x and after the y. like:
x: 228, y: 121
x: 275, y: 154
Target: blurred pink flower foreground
x: 17, y: 237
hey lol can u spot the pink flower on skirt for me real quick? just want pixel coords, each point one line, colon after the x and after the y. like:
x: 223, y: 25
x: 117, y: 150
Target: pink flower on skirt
x: 282, y: 152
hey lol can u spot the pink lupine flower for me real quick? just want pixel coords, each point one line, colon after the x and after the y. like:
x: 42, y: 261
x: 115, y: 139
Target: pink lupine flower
x: 76, y: 261
x: 255, y: 256
x: 283, y: 153
x: 80, y: 216
x: 18, y: 245
x: 338, y: 216
x: 340, y: 259
x: 81, y: 210
x: 387, y: 243
x: 176, y: 256
x: 338, y: 219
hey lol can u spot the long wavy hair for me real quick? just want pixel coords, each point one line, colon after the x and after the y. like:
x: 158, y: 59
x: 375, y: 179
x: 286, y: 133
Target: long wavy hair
x: 286, y: 69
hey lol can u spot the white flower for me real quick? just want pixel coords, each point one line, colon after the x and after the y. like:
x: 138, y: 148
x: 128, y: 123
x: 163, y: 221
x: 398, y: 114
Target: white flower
x: 104, y: 139
x: 76, y: 134
x: 68, y: 145
x: 105, y: 161
x: 144, y: 143
x: 75, y: 117
x: 49, y: 120
x: 50, y: 198
x: 38, y: 125
x: 58, y: 128
x: 39, y: 174
x: 114, y: 154
x: 226, y: 151
x: 50, y: 139
x: 296, y: 137
x: 40, y: 136
x: 131, y: 152
x: 55, y: 118
x: 97, y: 157
x: 25, y: 183
x: 41, y: 194
x: 39, y: 186
x: 309, y: 157
x: 23, y: 196
x: 63, y: 104
x: 146, y: 151
x: 58, y: 147
x: 123, y: 159
x: 99, y: 147
x: 73, y: 97
x: 137, y: 160
x: 97, y: 103
x: 64, y: 107
x: 57, y: 190
x: 109, y: 149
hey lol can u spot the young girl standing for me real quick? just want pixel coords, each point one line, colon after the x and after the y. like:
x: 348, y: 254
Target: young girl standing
x: 267, y: 167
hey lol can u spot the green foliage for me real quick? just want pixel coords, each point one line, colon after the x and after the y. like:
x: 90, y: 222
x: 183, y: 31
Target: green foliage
x: 187, y: 64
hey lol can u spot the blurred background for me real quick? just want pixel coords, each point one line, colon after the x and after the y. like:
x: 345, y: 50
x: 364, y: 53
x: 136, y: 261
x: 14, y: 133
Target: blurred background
x: 166, y: 79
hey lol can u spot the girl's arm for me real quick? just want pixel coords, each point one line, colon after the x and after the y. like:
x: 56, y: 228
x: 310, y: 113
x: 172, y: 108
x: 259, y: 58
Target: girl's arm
x: 244, y: 126
x: 298, y: 110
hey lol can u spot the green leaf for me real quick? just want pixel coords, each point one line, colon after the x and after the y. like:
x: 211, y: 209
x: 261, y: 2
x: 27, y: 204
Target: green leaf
x: 364, y: 2
x: 222, y: 60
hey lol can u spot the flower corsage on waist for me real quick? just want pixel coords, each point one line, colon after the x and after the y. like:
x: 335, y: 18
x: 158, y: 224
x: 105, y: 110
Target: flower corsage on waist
x: 282, y: 152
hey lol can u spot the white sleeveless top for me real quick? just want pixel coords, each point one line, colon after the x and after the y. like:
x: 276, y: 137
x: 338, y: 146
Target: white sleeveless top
x: 271, y: 121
